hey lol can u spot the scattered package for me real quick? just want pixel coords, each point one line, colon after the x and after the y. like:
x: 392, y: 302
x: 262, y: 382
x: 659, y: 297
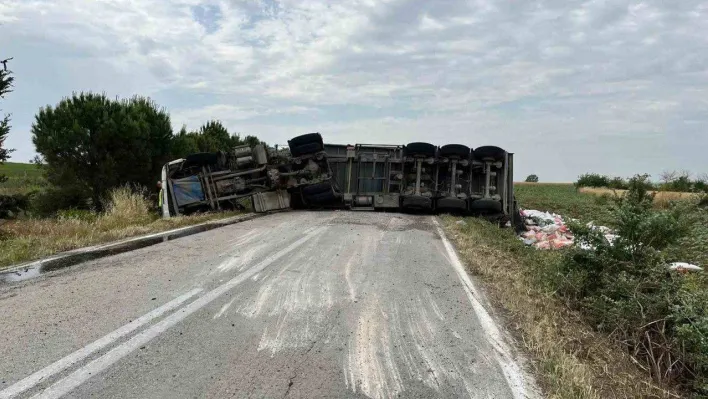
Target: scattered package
x: 546, y: 230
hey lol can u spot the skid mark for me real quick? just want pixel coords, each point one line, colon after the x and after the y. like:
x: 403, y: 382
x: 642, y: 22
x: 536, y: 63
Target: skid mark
x: 434, y: 305
x: 246, y: 237
x: 298, y: 296
x: 225, y: 308
x: 240, y: 260
x: 396, y: 342
x: 348, y: 276
x: 370, y: 367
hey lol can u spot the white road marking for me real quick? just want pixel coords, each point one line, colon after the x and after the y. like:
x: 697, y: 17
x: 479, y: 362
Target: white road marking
x: 67, y: 361
x: 78, y: 377
x: 514, y: 375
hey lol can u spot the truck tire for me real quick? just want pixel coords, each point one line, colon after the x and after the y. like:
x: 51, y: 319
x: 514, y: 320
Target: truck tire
x: 306, y: 144
x: 317, y: 188
x: 489, y: 152
x: 324, y: 198
x: 296, y: 201
x: 420, y: 149
x: 306, y: 149
x: 485, y: 205
x: 455, y: 150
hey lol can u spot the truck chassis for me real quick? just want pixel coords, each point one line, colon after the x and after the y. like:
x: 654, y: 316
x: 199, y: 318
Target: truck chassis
x: 309, y: 174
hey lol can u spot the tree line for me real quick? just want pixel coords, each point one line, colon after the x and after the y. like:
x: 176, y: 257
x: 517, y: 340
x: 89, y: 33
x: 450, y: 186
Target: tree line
x: 89, y: 144
x: 669, y: 181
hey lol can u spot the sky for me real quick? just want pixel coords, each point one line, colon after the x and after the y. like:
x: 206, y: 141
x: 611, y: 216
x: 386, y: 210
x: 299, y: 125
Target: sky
x: 616, y: 87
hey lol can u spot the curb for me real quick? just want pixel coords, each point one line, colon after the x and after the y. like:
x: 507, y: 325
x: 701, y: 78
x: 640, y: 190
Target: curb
x: 30, y: 270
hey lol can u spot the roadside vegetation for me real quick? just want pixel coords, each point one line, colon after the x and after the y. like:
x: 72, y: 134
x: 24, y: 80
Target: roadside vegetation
x: 612, y: 321
x: 127, y: 213
x: 21, y: 178
x: 94, y: 179
x: 671, y: 181
x: 565, y: 200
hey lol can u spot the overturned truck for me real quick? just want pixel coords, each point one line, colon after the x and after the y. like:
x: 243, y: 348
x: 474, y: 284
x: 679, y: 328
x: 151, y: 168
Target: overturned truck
x: 309, y: 174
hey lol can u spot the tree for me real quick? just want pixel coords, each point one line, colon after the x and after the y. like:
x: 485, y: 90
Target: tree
x: 532, y: 179
x: 252, y: 141
x: 92, y: 144
x: 6, y: 80
x: 213, y: 136
x: 184, y: 143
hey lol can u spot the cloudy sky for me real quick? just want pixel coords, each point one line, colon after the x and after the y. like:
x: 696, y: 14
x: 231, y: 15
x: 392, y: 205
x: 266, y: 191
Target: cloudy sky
x: 616, y: 87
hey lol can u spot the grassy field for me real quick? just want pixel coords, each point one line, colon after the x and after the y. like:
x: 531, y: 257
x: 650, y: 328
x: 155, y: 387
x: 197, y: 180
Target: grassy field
x: 586, y: 204
x: 22, y: 178
x: 565, y: 200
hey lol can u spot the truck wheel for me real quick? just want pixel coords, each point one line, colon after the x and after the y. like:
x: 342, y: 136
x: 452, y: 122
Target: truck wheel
x: 324, y: 198
x: 420, y: 149
x: 296, y: 201
x: 489, y: 152
x: 306, y: 144
x: 455, y: 150
x: 487, y: 206
x: 318, y: 188
x: 306, y: 149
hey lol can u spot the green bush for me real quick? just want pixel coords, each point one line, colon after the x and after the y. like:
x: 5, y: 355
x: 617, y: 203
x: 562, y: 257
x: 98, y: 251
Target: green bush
x: 532, y: 179
x: 617, y: 183
x: 12, y: 205
x: 626, y: 289
x: 700, y: 186
x: 51, y: 201
x: 592, y: 180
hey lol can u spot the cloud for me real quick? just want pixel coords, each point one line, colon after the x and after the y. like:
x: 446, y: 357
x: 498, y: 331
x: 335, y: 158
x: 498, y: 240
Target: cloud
x: 562, y: 83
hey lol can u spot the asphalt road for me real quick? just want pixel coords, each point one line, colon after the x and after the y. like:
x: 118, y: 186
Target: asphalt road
x: 300, y: 304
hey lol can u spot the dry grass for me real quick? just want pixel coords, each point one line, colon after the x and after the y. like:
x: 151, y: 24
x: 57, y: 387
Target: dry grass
x: 128, y: 214
x: 570, y: 359
x: 661, y: 198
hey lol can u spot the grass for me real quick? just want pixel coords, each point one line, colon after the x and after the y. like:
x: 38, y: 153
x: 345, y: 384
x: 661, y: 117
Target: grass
x: 22, y: 178
x: 565, y: 200
x: 128, y: 214
x: 571, y: 360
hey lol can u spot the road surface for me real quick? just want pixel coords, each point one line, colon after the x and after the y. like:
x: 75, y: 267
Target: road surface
x: 300, y: 304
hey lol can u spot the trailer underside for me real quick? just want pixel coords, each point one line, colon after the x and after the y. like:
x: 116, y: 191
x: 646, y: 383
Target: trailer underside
x: 310, y: 174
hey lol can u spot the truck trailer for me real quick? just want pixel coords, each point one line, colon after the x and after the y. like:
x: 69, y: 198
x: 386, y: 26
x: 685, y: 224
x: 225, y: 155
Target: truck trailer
x: 310, y: 174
